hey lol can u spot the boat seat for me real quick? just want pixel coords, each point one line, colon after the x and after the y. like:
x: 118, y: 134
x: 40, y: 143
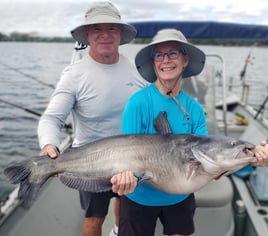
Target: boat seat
x: 214, y: 205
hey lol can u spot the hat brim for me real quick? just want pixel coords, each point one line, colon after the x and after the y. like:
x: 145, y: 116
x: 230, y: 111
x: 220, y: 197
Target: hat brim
x: 144, y: 62
x: 128, y: 31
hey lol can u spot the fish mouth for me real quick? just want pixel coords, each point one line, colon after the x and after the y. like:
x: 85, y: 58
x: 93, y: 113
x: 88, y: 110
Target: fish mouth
x: 246, y: 151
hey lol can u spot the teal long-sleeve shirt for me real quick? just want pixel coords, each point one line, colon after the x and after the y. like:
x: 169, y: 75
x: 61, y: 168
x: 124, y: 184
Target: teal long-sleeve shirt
x: 138, y: 117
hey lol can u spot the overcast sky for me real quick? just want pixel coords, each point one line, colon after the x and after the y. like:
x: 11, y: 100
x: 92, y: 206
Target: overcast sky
x: 58, y: 17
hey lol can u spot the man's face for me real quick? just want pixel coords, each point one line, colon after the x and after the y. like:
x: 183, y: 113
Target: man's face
x: 104, y: 40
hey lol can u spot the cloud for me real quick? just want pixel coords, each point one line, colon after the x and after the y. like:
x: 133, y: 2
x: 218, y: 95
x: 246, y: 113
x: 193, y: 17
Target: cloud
x: 58, y: 17
x: 47, y: 19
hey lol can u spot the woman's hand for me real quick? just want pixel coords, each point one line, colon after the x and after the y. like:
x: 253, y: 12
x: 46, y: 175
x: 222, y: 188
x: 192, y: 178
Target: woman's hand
x: 124, y: 183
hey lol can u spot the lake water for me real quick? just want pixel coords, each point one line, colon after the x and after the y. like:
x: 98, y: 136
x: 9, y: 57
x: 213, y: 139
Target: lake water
x: 23, y: 64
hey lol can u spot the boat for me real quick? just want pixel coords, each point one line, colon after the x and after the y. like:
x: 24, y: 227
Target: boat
x: 230, y: 206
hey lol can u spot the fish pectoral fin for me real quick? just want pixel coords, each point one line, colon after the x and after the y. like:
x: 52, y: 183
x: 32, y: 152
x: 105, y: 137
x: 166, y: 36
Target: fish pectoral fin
x: 85, y: 183
x: 193, y: 167
x: 146, y: 177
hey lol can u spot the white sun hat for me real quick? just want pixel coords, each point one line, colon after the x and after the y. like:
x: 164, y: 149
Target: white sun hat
x: 144, y: 61
x: 103, y: 12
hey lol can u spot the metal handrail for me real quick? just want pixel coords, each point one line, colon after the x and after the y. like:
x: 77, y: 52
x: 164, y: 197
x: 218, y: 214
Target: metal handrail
x: 224, y: 104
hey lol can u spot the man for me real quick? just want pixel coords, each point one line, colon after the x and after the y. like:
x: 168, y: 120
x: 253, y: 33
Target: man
x: 95, y: 90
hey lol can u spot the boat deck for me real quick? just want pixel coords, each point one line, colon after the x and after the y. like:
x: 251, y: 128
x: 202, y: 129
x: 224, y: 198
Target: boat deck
x: 57, y: 212
x: 61, y: 216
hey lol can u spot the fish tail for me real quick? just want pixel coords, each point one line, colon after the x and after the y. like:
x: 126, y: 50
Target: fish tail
x: 19, y: 173
x: 16, y: 172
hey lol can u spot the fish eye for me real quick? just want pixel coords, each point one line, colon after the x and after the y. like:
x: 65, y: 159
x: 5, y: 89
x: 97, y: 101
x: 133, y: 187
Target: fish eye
x: 233, y: 143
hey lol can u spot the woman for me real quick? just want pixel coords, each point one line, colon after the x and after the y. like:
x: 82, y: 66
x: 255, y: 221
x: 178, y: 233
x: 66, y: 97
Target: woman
x: 164, y: 62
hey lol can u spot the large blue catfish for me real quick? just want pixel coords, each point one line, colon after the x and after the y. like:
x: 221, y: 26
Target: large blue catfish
x: 172, y: 163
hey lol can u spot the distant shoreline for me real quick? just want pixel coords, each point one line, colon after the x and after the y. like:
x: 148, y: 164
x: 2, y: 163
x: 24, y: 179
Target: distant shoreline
x: 24, y: 37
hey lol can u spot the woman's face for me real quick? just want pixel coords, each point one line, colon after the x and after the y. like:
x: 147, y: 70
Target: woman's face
x: 169, y: 61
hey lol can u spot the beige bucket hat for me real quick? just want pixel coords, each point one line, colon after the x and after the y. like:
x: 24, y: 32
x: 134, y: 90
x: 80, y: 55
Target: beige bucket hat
x: 99, y: 13
x: 144, y: 63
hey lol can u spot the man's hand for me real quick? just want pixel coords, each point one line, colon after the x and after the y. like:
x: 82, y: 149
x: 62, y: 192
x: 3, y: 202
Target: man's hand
x: 261, y: 152
x: 49, y: 150
x: 124, y: 183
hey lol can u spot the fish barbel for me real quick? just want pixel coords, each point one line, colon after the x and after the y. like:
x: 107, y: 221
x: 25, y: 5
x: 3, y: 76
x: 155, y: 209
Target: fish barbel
x: 172, y: 163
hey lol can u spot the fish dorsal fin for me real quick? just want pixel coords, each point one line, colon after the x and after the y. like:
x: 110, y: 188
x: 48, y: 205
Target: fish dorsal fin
x: 83, y: 183
x: 161, y: 124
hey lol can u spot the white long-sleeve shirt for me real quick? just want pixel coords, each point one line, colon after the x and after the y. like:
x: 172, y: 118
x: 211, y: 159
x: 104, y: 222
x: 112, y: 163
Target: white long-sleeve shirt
x: 95, y: 94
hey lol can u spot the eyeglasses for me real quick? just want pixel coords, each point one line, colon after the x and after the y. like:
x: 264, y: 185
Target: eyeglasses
x: 172, y: 55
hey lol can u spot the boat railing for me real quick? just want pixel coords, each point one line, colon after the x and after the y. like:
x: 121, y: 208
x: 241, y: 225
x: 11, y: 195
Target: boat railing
x: 244, y: 87
x: 204, y: 88
x: 224, y: 103
x: 244, y: 100
x: 222, y: 94
x: 8, y: 204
